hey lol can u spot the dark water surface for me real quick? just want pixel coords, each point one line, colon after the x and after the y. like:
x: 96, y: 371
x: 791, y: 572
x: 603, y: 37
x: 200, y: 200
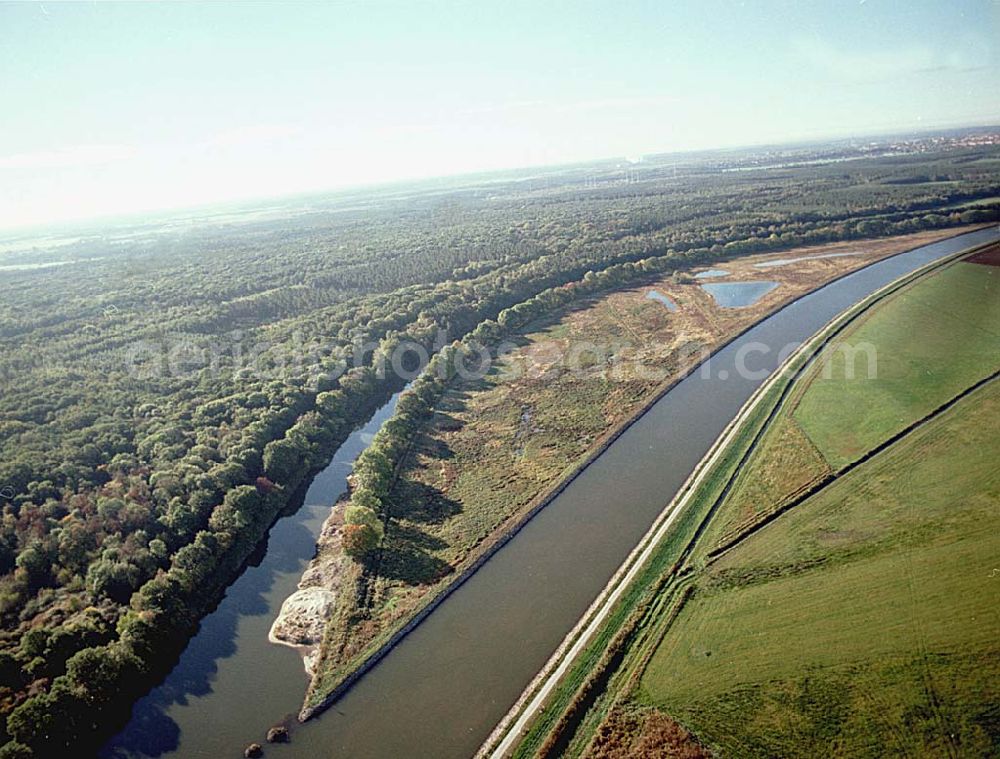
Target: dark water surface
x: 441, y: 691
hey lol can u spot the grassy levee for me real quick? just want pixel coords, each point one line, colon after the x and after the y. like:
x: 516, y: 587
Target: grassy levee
x: 587, y: 684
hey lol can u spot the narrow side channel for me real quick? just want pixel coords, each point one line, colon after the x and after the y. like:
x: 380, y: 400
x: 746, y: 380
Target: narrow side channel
x: 231, y: 683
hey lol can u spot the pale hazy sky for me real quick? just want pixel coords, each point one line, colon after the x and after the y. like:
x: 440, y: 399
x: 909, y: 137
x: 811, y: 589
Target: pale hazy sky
x: 110, y: 108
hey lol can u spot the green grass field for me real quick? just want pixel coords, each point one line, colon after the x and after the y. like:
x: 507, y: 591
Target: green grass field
x: 865, y: 621
x: 890, y: 571
x: 931, y: 341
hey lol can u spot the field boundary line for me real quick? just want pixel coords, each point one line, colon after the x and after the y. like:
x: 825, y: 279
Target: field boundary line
x: 866, y: 457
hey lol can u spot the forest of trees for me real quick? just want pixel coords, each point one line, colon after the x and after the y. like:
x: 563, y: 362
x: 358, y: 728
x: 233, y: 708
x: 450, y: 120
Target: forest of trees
x: 143, y: 457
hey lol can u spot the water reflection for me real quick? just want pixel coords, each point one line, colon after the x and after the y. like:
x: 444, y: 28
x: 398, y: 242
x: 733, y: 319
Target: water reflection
x: 664, y: 299
x: 711, y: 274
x: 738, y: 294
x: 785, y: 261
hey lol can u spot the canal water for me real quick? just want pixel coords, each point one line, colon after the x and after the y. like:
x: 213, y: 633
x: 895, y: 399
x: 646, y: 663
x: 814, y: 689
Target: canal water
x: 442, y: 690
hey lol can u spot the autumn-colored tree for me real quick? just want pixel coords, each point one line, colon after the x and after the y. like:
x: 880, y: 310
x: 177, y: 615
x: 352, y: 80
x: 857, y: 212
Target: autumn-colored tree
x: 361, y: 539
x: 264, y: 485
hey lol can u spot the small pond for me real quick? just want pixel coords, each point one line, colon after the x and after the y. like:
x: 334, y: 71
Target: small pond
x: 711, y: 274
x: 660, y: 297
x: 738, y: 294
x: 786, y: 261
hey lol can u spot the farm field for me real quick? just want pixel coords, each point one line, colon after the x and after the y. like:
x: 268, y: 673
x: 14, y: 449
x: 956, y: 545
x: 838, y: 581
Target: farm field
x: 866, y: 618
x: 922, y: 347
x: 947, y: 329
x: 498, y: 444
x: 863, y: 621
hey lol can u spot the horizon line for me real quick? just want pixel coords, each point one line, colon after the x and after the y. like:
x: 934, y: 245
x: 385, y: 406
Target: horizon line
x: 17, y: 230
